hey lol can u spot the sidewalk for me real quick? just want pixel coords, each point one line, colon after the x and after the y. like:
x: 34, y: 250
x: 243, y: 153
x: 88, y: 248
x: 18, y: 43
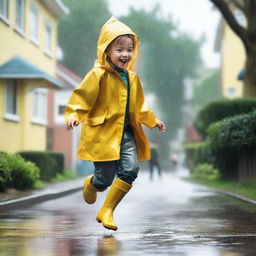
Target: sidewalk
x: 52, y: 191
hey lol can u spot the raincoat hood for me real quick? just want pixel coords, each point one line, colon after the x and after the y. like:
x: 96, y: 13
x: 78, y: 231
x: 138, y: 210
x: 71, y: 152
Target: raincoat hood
x: 111, y: 30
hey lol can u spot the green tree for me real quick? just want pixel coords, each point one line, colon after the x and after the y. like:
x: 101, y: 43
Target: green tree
x: 207, y: 90
x: 167, y: 57
x: 246, y: 33
x: 79, y: 31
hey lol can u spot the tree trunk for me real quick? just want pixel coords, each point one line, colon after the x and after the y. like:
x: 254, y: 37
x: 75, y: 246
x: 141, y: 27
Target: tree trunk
x: 250, y: 79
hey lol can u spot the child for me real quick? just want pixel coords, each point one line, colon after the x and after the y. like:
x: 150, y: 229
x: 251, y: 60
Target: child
x: 110, y: 104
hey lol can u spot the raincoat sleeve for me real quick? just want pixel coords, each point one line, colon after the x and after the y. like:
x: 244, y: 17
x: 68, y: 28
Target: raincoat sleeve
x: 83, y: 98
x: 145, y: 115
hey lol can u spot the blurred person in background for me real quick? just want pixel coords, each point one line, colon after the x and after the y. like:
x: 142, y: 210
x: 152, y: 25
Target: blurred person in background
x: 174, y: 159
x: 154, y: 161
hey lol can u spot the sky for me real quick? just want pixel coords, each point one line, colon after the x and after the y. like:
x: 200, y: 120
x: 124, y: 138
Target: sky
x: 196, y: 17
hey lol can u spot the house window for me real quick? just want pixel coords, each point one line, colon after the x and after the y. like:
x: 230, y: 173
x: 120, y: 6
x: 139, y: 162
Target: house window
x: 240, y: 17
x: 48, y: 37
x: 60, y: 107
x: 4, y: 9
x: 39, y: 106
x: 19, y: 20
x: 34, y: 14
x: 61, y: 110
x: 11, y: 111
x: 61, y: 99
x: 231, y: 92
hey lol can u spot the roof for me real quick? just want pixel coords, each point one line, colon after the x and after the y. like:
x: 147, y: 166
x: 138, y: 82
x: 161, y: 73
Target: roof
x: 68, y: 76
x: 192, y: 134
x: 19, y: 68
x: 56, y: 7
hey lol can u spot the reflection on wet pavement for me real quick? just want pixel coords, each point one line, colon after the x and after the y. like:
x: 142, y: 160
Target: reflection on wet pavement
x: 108, y: 245
x: 163, y: 217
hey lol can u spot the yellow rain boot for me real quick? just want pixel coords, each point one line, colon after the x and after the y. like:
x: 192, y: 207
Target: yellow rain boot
x: 90, y: 192
x: 116, y: 193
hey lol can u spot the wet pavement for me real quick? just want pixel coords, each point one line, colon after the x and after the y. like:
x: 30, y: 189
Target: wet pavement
x: 49, y: 188
x: 163, y: 217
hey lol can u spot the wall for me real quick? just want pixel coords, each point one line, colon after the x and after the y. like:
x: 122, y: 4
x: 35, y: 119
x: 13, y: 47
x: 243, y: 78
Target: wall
x: 233, y: 60
x: 15, y: 43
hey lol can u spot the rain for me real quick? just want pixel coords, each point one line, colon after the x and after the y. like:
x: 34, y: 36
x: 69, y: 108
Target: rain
x: 143, y: 146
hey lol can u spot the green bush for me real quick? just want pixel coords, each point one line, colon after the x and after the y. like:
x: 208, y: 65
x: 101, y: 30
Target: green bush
x: 237, y: 132
x: 59, y: 158
x: 19, y: 173
x: 49, y: 163
x: 228, y: 139
x: 5, y: 172
x: 24, y: 174
x: 220, y: 109
x: 66, y: 175
x: 205, y: 171
x: 198, y: 153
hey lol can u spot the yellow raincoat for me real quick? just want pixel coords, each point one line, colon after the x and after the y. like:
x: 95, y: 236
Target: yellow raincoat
x: 99, y: 102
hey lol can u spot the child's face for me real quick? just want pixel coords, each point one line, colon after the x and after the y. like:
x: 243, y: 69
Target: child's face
x: 120, y: 52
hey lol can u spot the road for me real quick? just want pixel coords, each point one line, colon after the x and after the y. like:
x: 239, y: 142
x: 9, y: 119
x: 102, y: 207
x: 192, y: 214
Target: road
x: 160, y: 217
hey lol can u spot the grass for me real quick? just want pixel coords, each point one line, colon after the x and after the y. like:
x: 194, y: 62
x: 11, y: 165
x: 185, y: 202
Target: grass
x: 247, y: 189
x: 39, y: 184
x: 66, y: 175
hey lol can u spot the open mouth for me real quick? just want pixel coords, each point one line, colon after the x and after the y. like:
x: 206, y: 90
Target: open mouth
x: 124, y: 61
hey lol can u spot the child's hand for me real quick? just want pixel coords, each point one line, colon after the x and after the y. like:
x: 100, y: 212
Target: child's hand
x: 161, y: 126
x: 71, y: 124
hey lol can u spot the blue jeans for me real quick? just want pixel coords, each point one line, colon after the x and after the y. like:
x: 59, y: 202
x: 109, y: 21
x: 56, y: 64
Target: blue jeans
x: 126, y: 168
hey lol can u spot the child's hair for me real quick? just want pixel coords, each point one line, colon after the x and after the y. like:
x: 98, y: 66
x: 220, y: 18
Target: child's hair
x: 121, y: 39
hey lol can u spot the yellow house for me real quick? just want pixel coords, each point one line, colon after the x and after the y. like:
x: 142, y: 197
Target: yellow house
x: 232, y: 57
x: 28, y: 46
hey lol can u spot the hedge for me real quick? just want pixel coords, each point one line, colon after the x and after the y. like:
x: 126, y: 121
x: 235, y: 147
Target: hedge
x: 229, y: 138
x: 49, y: 163
x: 16, y: 172
x: 198, y: 153
x: 205, y: 171
x: 5, y: 172
x: 220, y: 109
x: 238, y: 132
